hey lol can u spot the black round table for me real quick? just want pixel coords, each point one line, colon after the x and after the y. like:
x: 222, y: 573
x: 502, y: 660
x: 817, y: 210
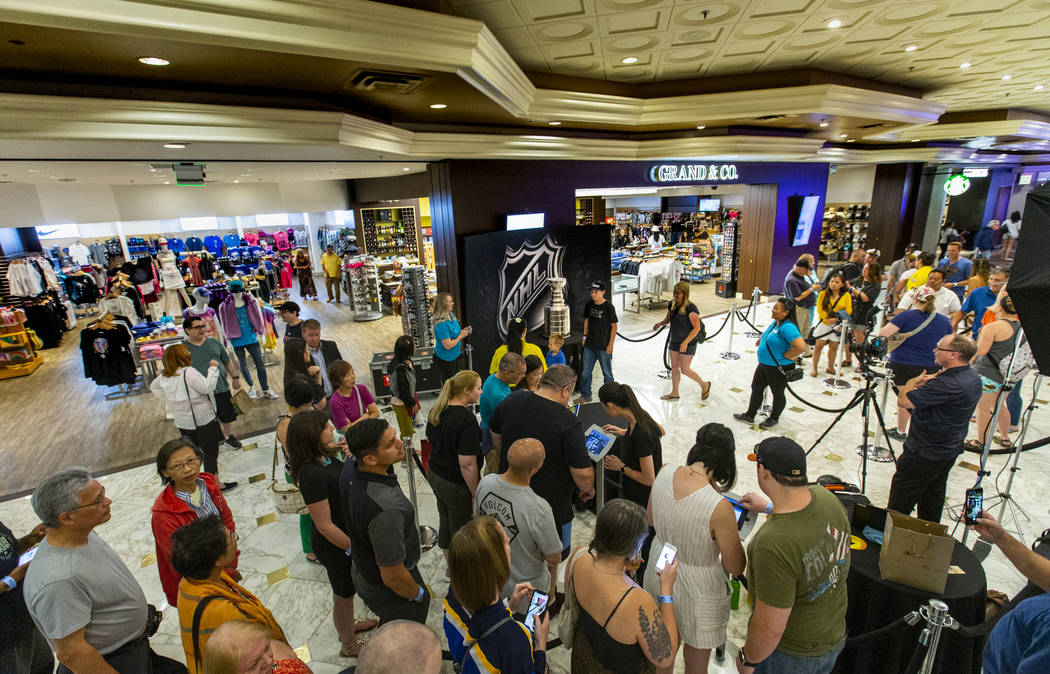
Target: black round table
x: 874, y: 603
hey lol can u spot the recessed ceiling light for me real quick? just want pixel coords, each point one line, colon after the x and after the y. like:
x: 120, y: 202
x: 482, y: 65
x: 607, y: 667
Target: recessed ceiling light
x: 153, y: 61
x: 554, y: 123
x: 834, y: 23
x: 1007, y: 77
x: 406, y: 169
x: 843, y: 135
x: 915, y: 140
x: 851, y: 140
x: 1038, y: 87
x: 911, y: 47
x: 175, y: 146
x: 965, y: 64
x: 1002, y: 156
x: 824, y: 123
x: 246, y: 175
x: 701, y: 127
x: 630, y: 59
x: 236, y: 181
x: 36, y: 170
x: 167, y: 182
x: 438, y: 106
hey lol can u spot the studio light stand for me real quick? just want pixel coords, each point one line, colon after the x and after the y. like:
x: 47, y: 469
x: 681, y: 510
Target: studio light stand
x: 755, y: 294
x: 729, y: 354
x: 865, y: 397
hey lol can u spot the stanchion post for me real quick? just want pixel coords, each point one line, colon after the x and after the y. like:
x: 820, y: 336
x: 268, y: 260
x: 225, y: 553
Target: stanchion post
x: 427, y: 535
x: 755, y: 294
x: 599, y: 486
x: 728, y: 354
x: 937, y: 618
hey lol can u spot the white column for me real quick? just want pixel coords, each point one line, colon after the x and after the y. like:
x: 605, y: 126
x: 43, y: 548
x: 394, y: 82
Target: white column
x: 123, y: 240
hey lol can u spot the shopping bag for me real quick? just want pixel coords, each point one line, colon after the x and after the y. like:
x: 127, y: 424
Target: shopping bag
x: 916, y: 553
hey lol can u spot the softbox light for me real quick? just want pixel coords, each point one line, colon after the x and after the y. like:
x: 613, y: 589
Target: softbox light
x: 1029, y: 284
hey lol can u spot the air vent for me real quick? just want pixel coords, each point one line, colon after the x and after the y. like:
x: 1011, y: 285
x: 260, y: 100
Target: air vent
x: 769, y: 118
x: 385, y: 82
x: 66, y: 180
x: 872, y: 126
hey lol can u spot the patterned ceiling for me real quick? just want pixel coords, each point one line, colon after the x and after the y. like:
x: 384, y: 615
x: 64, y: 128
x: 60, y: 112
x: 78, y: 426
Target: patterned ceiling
x: 1005, y: 41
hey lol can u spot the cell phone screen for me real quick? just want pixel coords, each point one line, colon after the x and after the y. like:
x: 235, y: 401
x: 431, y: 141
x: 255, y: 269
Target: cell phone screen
x: 27, y: 556
x: 974, y: 504
x: 537, y: 605
x: 667, y: 555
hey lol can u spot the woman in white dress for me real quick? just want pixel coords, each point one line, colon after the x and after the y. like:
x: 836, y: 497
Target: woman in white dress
x: 689, y: 512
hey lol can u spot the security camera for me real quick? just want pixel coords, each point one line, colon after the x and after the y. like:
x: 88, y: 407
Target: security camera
x: 714, y: 187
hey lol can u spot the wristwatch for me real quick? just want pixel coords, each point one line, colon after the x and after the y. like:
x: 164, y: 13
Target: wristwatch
x: 622, y: 469
x: 744, y: 661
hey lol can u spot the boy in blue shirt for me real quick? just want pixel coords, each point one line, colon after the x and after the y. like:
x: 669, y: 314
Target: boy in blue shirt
x: 554, y: 354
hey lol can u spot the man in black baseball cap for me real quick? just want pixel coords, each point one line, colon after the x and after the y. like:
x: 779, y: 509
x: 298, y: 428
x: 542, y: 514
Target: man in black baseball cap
x: 599, y: 334
x: 797, y: 567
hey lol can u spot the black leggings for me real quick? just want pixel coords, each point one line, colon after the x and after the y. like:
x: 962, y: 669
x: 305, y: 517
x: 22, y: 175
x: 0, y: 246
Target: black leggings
x: 448, y: 368
x: 208, y: 437
x: 767, y: 375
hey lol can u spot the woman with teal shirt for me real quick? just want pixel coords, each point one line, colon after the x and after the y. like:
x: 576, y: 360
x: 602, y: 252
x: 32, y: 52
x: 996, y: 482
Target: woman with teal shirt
x: 448, y: 337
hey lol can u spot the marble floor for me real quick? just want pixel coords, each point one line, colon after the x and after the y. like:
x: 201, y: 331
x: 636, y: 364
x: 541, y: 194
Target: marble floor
x: 298, y: 594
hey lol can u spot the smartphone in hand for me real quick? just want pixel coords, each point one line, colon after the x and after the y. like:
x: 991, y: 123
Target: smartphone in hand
x: 974, y: 505
x: 537, y: 607
x: 667, y: 556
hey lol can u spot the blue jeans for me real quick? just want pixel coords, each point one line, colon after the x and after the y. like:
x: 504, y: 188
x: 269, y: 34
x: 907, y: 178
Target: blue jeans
x: 566, y: 539
x: 1014, y: 404
x: 255, y: 352
x: 589, y: 356
x: 780, y: 662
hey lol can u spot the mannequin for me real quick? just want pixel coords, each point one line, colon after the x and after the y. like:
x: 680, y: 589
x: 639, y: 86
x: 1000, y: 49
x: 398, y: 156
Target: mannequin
x: 171, y: 280
x: 243, y: 323
x: 212, y: 326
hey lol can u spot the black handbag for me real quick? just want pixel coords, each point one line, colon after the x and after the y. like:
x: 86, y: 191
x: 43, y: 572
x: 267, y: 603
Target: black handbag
x: 791, y: 376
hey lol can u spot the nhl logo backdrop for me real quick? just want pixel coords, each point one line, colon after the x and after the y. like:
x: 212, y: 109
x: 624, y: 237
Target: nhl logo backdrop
x: 506, y: 275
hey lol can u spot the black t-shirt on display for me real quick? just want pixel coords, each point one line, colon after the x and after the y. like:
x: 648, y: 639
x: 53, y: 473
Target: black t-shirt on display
x: 318, y: 482
x: 680, y: 323
x: 633, y: 446
x: 458, y: 434
x: 524, y: 414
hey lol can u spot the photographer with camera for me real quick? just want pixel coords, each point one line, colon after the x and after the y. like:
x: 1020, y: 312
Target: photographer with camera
x: 778, y: 347
x: 864, y: 308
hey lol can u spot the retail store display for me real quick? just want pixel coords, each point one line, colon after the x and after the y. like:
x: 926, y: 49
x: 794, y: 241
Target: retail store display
x: 210, y: 317
x: 844, y: 229
x: 590, y: 211
x: 362, y: 284
x: 556, y: 314
x: 105, y: 346
x: 726, y: 286
x: 390, y: 231
x: 18, y: 346
x: 696, y: 260
x: 415, y: 313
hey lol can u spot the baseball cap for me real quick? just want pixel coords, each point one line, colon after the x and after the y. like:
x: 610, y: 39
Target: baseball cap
x: 916, y: 254
x: 597, y: 285
x: 924, y: 293
x: 780, y: 455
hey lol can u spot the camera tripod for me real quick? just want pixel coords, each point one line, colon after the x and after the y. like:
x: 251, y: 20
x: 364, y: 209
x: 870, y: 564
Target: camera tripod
x: 866, y: 398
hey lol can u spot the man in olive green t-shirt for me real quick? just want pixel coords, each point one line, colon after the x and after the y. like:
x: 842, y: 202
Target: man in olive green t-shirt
x: 797, y: 566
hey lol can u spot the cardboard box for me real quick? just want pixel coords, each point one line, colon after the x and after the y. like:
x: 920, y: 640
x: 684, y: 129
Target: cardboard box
x: 916, y: 553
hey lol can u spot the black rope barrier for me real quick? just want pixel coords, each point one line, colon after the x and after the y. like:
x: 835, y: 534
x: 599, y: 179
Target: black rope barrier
x: 877, y: 635
x: 743, y: 317
x: 720, y: 328
x: 642, y: 339
x: 916, y: 659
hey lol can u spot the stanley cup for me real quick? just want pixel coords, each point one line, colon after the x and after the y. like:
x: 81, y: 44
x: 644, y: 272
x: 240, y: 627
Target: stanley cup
x: 556, y: 314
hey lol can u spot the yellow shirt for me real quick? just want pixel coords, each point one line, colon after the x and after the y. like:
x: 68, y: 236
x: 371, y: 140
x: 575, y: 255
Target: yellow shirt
x: 331, y: 264
x: 918, y: 279
x: 526, y: 350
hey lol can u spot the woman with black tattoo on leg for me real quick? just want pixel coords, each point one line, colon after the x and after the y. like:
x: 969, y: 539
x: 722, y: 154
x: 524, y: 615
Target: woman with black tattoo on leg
x: 621, y: 628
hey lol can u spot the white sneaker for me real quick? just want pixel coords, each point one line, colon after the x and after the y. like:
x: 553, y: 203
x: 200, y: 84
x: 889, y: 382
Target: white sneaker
x: 269, y: 393
x: 252, y: 393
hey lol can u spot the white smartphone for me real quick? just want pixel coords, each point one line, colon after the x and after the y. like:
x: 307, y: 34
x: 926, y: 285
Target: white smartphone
x: 537, y: 605
x: 667, y: 556
x: 27, y: 556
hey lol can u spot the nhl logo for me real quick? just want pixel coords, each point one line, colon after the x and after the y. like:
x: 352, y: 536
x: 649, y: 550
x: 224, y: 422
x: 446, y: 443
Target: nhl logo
x: 523, y: 280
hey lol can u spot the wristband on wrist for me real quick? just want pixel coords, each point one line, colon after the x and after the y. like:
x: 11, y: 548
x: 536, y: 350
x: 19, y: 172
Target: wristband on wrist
x: 769, y: 508
x: 10, y: 582
x: 419, y: 596
x: 665, y: 598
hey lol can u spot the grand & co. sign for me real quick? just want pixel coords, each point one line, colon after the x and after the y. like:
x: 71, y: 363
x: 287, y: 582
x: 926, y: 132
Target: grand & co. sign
x: 670, y: 173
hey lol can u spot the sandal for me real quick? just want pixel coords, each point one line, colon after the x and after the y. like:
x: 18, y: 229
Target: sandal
x: 668, y: 397
x: 313, y: 559
x: 365, y: 624
x: 1003, y: 442
x: 353, y: 650
x: 706, y: 391
x: 973, y: 446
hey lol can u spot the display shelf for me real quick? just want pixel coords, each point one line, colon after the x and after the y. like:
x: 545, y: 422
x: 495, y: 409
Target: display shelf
x: 844, y: 229
x: 364, y: 289
x: 416, y: 318
x: 390, y: 231
x: 590, y: 211
x: 18, y: 356
x: 730, y: 247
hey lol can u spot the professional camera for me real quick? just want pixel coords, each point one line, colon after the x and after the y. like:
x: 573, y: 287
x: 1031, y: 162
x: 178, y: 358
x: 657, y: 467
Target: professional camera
x: 873, y: 348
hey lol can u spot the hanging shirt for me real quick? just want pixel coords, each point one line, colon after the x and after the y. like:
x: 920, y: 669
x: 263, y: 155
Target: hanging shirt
x: 214, y: 244
x: 231, y: 240
x: 176, y: 245
x: 194, y: 243
x: 252, y: 238
x: 280, y: 239
x: 80, y: 254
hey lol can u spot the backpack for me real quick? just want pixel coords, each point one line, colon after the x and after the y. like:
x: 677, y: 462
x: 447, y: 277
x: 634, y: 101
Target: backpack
x: 1022, y: 362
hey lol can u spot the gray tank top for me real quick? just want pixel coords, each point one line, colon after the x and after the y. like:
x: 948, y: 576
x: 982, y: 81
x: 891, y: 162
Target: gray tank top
x: 988, y: 364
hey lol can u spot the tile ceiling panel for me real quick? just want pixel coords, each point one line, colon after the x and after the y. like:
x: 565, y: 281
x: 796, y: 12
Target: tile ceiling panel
x: 675, y: 39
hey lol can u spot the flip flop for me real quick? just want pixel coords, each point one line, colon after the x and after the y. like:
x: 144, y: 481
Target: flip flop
x: 706, y: 391
x: 668, y: 397
x: 973, y: 446
x: 1003, y: 442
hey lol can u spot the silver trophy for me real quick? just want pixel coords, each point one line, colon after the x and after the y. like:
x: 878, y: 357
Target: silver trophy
x: 556, y: 314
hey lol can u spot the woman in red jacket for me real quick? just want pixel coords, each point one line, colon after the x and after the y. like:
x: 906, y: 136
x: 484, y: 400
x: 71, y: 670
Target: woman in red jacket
x: 188, y: 494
